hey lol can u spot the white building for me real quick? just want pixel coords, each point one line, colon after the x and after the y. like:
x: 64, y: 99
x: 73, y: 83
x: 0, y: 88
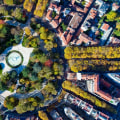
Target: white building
x: 103, y: 7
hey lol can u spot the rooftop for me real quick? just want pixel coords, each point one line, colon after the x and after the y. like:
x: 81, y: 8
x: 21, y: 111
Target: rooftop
x: 115, y: 6
x: 114, y: 41
x: 105, y: 27
x: 73, y: 76
x: 86, y: 39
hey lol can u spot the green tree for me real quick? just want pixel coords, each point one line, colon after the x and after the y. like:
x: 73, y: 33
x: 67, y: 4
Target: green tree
x: 58, y: 69
x: 33, y: 76
x: 49, y: 45
x: 38, y: 85
x: 50, y: 35
x: 13, y: 74
x: 43, y: 35
x: 0, y: 69
x: 17, y: 39
x: 111, y: 16
x: 36, y: 67
x: 3, y: 86
x: 25, y: 72
x: 17, y: 13
x: 34, y: 42
x: 49, y: 90
x: 21, y: 108
x: 38, y: 26
x: 17, y: 2
x: 5, y: 77
x: 34, y: 104
x: 46, y: 72
x: 42, y: 30
x: 42, y: 58
x: 117, y: 33
x: 1, y: 117
x: 22, y: 81
x: 42, y: 115
x: 11, y: 102
x: 4, y: 30
x: 3, y: 11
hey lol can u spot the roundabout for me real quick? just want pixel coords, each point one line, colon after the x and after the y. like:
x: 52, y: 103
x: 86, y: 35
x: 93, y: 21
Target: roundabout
x: 14, y: 59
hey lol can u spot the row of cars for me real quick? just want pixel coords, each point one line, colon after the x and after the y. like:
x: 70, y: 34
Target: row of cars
x: 86, y: 107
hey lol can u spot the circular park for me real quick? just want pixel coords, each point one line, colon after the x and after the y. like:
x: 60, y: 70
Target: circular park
x: 14, y: 59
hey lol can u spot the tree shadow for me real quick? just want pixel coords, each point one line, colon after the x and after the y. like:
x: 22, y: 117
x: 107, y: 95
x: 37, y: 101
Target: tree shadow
x: 19, y: 69
x: 2, y: 65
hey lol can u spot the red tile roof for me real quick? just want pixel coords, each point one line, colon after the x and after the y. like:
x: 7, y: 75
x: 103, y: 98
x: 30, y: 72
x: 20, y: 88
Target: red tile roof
x: 67, y: 35
x: 52, y: 7
x: 97, y: 90
x: 86, y: 39
x: 115, y: 6
x: 49, y: 15
x: 105, y: 26
x: 55, y: 23
x: 93, y: 13
x: 55, y: 6
x: 90, y: 77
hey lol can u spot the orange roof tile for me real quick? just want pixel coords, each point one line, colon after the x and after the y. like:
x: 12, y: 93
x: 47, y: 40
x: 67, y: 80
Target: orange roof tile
x: 49, y: 15
x: 97, y: 90
x: 93, y: 13
x: 67, y: 35
x: 105, y: 26
x: 55, y: 6
x: 86, y: 39
x: 116, y: 6
x: 56, y: 21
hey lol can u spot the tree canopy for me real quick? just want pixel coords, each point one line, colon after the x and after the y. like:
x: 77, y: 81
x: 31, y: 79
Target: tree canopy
x: 111, y: 16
